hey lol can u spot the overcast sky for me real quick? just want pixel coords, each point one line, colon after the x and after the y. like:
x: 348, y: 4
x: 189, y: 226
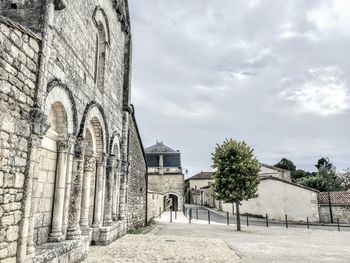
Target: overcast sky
x: 273, y: 73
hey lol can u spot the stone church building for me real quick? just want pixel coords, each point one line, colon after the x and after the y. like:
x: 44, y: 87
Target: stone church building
x: 165, y: 179
x: 72, y: 165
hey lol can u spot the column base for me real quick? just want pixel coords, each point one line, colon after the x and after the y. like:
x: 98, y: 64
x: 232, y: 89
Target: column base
x: 55, y: 236
x: 96, y: 224
x: 73, y: 234
x: 107, y: 222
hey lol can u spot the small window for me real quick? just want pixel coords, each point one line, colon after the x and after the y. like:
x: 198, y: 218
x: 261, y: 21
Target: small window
x: 14, y: 6
x: 100, y: 63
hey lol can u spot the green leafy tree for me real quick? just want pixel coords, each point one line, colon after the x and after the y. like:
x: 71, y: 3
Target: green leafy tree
x: 237, y: 173
x: 344, y: 177
x: 326, y: 179
x: 324, y: 163
x: 299, y: 175
x: 286, y: 164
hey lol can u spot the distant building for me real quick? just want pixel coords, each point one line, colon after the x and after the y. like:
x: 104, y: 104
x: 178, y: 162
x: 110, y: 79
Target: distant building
x: 165, y: 177
x: 277, y: 196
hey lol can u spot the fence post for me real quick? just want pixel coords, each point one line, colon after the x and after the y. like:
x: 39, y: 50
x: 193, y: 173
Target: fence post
x: 175, y: 214
x: 197, y: 214
x: 307, y: 222
x: 286, y: 221
x: 267, y: 220
x: 338, y: 224
x: 208, y: 217
x: 190, y: 215
x: 171, y: 216
x: 160, y: 212
x: 247, y: 220
x: 228, y: 218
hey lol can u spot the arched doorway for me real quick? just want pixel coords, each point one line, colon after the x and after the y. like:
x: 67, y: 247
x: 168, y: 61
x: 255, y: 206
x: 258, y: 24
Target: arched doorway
x: 170, y: 202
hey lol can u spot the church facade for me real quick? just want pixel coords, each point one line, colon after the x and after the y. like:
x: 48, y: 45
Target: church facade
x: 72, y: 164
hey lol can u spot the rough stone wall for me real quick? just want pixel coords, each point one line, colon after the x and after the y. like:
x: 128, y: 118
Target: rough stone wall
x: 154, y: 204
x: 137, y: 195
x: 167, y: 184
x: 339, y: 211
x: 29, y: 13
x: 73, y: 55
x: 173, y: 183
x: 18, y: 64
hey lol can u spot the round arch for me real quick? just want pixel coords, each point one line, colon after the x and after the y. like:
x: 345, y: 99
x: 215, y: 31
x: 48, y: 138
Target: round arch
x: 57, y: 93
x: 94, y: 119
x: 100, y: 18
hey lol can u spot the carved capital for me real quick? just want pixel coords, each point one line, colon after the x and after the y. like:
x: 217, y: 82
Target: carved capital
x: 39, y: 121
x: 65, y: 145
x: 89, y: 163
x: 102, y: 161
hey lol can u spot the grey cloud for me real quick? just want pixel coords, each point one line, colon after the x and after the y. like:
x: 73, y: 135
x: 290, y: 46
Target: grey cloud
x: 206, y: 70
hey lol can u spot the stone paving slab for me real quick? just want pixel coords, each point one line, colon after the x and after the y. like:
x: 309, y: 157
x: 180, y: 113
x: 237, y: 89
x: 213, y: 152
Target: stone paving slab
x: 152, y: 248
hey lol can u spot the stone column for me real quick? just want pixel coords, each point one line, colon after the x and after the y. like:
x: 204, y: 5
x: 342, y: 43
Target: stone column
x: 73, y: 231
x: 68, y: 189
x: 89, y: 169
x: 108, y: 206
x: 100, y: 171
x: 116, y: 190
x: 123, y: 192
x: 56, y: 234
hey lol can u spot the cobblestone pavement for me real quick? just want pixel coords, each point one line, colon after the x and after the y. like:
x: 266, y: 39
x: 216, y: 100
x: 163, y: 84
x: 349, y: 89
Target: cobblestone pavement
x: 151, y: 248
x: 273, y: 244
x: 180, y: 241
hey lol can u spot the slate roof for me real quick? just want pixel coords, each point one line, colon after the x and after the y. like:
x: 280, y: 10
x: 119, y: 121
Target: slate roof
x: 337, y: 198
x: 202, y: 176
x: 160, y: 147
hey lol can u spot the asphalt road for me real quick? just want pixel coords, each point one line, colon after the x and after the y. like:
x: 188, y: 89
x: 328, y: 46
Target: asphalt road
x: 221, y: 217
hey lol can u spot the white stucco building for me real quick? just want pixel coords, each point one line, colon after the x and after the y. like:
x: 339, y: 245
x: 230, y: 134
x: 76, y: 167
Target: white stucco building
x: 277, y: 197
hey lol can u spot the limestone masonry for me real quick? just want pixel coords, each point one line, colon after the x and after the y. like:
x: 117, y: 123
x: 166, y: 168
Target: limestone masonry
x: 72, y: 165
x: 165, y: 179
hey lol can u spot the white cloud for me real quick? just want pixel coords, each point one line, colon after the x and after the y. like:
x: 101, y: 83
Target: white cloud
x: 321, y: 91
x: 331, y: 16
x: 205, y: 70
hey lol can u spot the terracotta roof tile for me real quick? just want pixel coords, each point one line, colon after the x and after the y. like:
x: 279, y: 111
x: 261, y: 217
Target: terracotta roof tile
x: 337, y: 198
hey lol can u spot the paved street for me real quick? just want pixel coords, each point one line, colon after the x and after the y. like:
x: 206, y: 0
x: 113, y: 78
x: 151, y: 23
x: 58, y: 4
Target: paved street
x: 163, y: 248
x: 221, y: 218
x: 180, y: 241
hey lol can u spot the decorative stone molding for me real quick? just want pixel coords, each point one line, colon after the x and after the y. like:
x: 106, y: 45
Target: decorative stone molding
x: 102, y: 161
x: 39, y: 121
x: 56, y: 90
x: 65, y: 145
x: 89, y: 163
x: 121, y: 9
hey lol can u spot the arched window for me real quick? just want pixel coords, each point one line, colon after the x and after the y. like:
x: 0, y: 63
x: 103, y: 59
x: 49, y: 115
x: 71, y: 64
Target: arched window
x: 102, y: 42
x: 100, y: 63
